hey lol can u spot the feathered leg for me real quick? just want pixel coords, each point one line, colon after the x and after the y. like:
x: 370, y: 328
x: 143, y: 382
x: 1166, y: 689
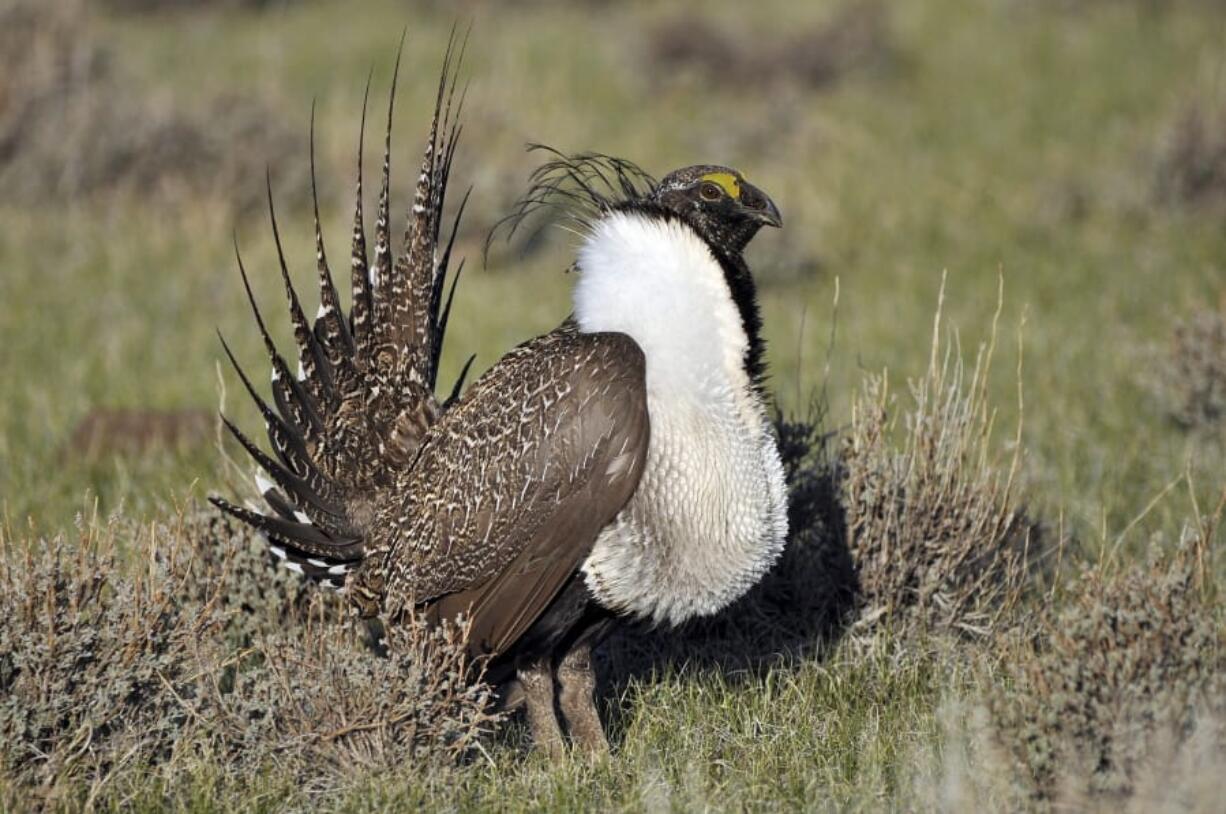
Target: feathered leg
x: 536, y: 679
x: 577, y: 682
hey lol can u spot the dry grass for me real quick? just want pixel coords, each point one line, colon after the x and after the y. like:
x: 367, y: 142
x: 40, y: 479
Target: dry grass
x: 95, y: 665
x: 971, y: 771
x: 319, y: 703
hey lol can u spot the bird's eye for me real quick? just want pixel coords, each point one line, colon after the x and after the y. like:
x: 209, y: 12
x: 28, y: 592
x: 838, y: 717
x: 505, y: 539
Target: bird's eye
x: 710, y: 191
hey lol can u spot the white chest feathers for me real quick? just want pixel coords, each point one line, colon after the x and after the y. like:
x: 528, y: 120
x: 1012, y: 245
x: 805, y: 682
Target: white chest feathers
x: 710, y: 514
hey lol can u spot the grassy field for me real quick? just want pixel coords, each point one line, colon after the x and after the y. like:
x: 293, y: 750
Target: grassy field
x: 992, y: 144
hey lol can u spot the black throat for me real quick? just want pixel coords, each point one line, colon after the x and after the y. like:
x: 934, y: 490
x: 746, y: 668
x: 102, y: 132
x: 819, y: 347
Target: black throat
x: 745, y: 294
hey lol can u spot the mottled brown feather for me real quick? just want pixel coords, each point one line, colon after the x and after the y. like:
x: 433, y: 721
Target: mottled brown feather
x: 513, y: 485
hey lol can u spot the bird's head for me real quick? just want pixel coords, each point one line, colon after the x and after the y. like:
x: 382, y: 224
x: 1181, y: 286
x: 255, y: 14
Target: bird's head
x: 718, y: 203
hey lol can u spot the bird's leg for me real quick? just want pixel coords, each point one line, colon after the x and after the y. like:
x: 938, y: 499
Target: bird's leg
x: 577, y: 680
x: 536, y: 679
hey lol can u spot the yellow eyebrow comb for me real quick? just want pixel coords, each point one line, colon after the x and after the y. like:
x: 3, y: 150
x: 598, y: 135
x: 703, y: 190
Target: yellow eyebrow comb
x: 726, y: 180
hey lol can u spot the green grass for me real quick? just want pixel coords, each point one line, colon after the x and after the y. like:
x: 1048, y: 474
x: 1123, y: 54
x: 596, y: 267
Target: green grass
x: 830, y: 736
x: 1004, y: 141
x: 1000, y: 141
x: 786, y: 741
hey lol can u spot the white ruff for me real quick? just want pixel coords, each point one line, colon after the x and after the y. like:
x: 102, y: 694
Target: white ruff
x: 710, y: 514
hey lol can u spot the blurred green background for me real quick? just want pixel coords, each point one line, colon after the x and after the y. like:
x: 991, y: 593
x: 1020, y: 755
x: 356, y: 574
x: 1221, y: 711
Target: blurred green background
x: 1073, y: 150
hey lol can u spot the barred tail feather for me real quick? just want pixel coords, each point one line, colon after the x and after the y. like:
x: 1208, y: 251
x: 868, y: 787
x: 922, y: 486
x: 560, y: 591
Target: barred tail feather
x: 440, y: 327
x: 331, y: 328
x: 325, y: 564
x: 381, y: 283
x: 292, y: 401
x: 419, y: 260
x: 347, y: 426
x: 361, y: 307
x: 315, y: 372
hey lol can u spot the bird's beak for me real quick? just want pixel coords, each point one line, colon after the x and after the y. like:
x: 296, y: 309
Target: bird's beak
x: 759, y: 206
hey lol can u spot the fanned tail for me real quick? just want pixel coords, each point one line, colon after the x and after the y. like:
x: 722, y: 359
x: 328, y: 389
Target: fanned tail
x: 354, y: 416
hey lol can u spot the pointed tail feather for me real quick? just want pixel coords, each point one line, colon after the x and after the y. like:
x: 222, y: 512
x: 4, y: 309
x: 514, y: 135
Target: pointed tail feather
x: 348, y: 425
x: 331, y: 328
x: 324, y: 564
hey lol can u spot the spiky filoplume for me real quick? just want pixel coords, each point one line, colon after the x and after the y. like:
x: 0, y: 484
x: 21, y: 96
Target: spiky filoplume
x: 577, y: 189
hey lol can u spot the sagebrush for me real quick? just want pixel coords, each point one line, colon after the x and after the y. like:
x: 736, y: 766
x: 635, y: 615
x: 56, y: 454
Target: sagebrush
x: 1191, y: 376
x: 1119, y: 676
x: 1191, y: 167
x: 130, y: 652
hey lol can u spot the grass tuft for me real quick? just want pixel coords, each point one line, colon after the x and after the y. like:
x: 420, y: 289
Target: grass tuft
x: 321, y: 706
x: 97, y: 666
x: 935, y: 527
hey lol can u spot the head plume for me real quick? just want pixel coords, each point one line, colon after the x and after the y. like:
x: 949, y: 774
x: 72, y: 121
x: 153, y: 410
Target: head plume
x: 576, y: 190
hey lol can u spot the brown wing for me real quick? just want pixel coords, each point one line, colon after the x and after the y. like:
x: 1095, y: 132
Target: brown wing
x: 514, y: 484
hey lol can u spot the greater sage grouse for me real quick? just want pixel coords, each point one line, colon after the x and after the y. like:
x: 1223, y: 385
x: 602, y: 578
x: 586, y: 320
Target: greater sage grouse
x: 621, y: 466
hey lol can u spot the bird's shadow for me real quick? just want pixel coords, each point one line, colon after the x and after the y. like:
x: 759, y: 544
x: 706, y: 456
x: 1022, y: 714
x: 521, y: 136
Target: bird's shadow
x: 799, y: 610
